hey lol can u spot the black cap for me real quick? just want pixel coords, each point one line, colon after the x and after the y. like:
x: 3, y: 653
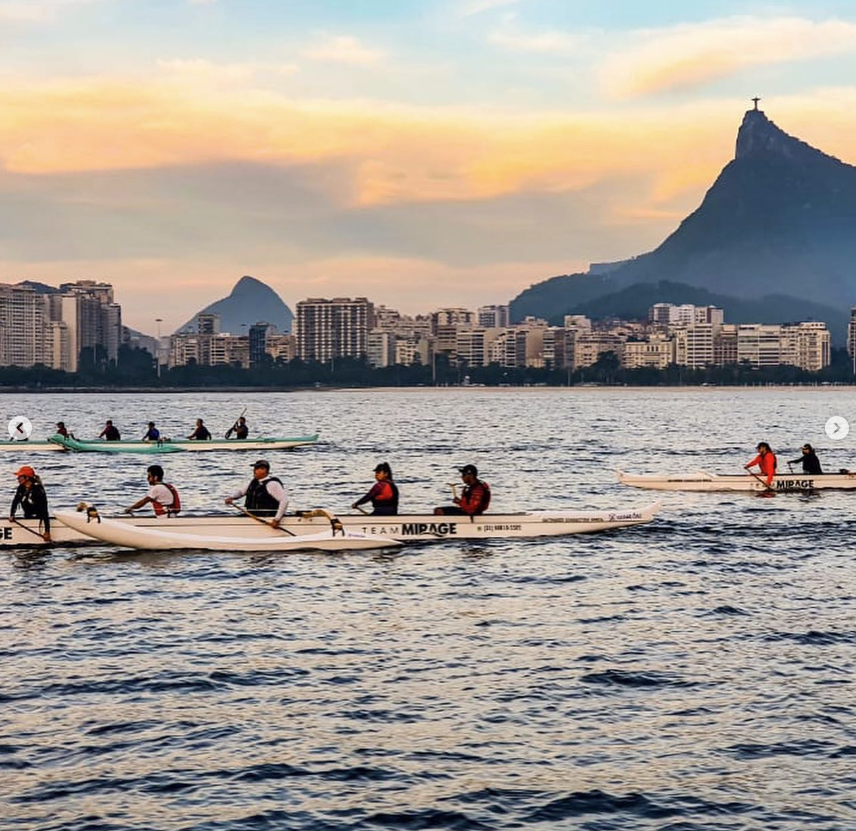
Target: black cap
x: 469, y: 469
x: 261, y: 463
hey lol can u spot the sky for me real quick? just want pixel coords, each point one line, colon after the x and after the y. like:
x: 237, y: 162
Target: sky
x: 419, y: 153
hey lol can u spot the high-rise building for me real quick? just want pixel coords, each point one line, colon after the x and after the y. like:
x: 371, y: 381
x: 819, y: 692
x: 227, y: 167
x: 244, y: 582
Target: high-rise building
x: 337, y: 328
x: 493, y: 317
x: 806, y: 345
x: 258, y: 342
x: 851, y: 338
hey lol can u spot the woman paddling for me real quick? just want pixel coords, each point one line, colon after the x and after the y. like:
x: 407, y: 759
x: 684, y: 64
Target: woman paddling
x: 766, y: 461
x: 384, y: 493
x: 809, y: 460
x: 32, y: 499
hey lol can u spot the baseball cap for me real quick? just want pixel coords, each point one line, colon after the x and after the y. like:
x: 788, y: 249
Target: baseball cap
x: 26, y: 470
x: 469, y: 469
x: 261, y: 463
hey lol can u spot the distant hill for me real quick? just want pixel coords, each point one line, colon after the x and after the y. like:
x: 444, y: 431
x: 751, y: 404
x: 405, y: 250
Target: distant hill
x: 250, y: 301
x: 634, y: 302
x: 779, y: 222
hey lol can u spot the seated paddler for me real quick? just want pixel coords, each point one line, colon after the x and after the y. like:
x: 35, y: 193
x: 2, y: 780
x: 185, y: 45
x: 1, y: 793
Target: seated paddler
x: 383, y: 494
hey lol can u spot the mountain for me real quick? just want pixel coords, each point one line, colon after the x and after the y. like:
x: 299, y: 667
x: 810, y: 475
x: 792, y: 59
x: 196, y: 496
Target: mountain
x: 780, y: 219
x: 250, y: 301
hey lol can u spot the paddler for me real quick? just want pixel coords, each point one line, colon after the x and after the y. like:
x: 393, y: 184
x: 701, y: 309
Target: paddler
x: 810, y: 462
x: 239, y: 428
x: 110, y: 433
x: 152, y: 433
x: 383, y: 494
x: 475, y: 497
x: 62, y: 430
x: 163, y: 497
x: 766, y: 461
x: 33, y: 500
x: 200, y: 432
x: 265, y: 494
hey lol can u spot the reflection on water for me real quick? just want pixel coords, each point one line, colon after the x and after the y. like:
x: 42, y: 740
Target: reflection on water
x: 692, y: 673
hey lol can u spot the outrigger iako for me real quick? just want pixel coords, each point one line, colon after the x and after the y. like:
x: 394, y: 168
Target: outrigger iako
x: 230, y: 532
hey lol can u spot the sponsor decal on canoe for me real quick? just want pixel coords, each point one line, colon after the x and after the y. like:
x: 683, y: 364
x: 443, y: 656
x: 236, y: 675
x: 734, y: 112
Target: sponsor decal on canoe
x: 416, y: 529
x: 794, y: 484
x: 500, y: 527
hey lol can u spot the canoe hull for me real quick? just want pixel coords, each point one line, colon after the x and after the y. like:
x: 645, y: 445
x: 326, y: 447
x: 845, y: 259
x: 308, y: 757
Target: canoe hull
x: 181, y: 445
x: 403, y: 528
x: 163, y: 538
x: 701, y: 481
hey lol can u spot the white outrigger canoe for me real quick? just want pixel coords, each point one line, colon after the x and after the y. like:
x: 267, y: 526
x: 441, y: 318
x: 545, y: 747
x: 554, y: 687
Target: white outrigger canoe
x: 162, y: 446
x: 72, y: 528
x: 163, y: 538
x: 701, y: 481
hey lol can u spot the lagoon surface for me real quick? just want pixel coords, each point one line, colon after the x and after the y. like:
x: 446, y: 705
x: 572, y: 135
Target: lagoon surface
x: 695, y: 673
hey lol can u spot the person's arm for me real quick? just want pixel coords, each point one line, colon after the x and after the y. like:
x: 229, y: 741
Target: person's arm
x: 755, y: 461
x: 794, y: 461
x: 139, y: 504
x: 371, y: 494
x: 16, y: 500
x: 278, y: 492
x: 237, y: 495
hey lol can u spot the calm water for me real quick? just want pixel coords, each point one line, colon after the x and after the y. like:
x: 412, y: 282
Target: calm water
x: 695, y: 673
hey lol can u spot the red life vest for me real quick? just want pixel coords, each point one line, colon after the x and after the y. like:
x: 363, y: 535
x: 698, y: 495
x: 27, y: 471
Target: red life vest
x: 160, y: 510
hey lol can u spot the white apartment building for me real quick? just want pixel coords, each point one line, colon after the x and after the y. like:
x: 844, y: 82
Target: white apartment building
x: 759, y: 345
x: 53, y: 327
x: 655, y: 352
x: 337, y: 328
x: 806, y: 345
x: 493, y: 317
x: 694, y: 345
x: 380, y: 348
x: 588, y: 346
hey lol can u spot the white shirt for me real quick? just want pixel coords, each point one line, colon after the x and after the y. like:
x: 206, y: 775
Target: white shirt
x: 161, y: 494
x: 275, y: 489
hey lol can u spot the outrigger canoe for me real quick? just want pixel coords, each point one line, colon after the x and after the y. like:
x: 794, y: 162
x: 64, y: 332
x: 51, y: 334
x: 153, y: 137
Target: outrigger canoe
x: 701, y: 481
x: 179, y: 445
x: 72, y: 528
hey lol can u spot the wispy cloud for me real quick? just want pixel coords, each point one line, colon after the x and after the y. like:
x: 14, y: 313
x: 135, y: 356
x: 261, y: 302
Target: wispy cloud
x: 35, y: 11
x: 479, y: 6
x: 691, y: 55
x: 509, y: 35
x: 199, y: 70
x: 342, y: 49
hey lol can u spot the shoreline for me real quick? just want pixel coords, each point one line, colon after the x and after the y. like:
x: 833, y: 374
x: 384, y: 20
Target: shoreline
x: 579, y: 388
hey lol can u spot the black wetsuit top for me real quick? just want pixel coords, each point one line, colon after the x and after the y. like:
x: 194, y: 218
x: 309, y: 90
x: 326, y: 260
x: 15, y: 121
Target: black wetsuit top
x: 34, y: 503
x: 810, y: 463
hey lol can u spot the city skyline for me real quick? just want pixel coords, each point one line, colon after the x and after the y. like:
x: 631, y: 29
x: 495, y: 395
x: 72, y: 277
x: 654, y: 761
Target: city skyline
x: 438, y: 150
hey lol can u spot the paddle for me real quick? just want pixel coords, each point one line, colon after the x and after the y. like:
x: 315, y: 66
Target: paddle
x: 263, y: 521
x: 362, y: 510
x: 235, y: 423
x: 27, y: 528
x: 761, y: 481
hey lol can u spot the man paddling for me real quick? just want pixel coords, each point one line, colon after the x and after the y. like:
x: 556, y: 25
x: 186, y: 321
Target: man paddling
x: 163, y: 497
x: 766, y: 461
x: 809, y: 461
x: 474, y: 499
x: 239, y: 428
x: 265, y: 494
x: 200, y: 432
x: 110, y: 432
x: 32, y: 499
x: 152, y: 433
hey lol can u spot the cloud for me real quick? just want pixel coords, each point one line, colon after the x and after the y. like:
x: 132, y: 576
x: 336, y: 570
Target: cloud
x: 198, y: 70
x: 544, y: 41
x: 478, y: 6
x: 689, y: 56
x: 37, y: 11
x: 342, y: 49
